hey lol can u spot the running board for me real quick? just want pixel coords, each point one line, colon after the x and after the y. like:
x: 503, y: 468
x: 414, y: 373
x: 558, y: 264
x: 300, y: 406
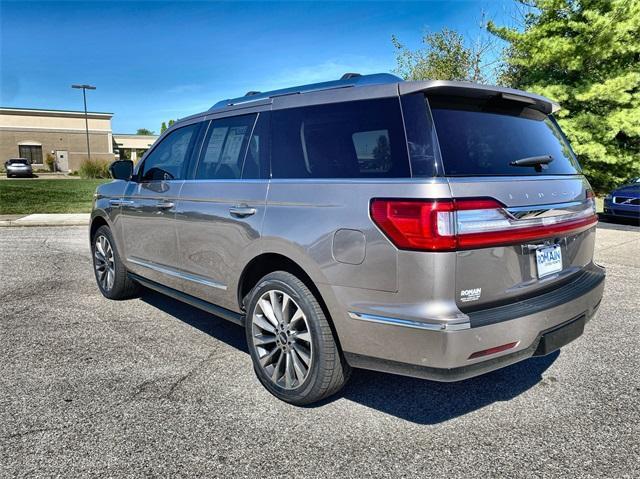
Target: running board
x: 223, y: 313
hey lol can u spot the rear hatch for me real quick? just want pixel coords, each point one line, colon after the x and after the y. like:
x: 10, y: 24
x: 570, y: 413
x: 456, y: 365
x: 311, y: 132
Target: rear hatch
x: 524, y: 214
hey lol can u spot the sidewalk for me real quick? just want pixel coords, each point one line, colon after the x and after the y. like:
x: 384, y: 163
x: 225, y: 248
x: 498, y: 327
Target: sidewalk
x: 65, y: 219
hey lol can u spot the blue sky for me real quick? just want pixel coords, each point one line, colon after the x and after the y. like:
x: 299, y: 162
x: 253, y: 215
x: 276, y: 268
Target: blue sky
x: 153, y: 61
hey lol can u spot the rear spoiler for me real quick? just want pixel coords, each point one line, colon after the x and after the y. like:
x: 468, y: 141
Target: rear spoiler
x: 474, y: 90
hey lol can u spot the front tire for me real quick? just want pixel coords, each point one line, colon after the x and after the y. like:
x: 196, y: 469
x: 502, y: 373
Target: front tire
x: 292, y: 346
x: 111, y: 274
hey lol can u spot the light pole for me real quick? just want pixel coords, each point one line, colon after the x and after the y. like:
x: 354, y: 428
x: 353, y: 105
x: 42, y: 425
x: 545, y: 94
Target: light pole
x: 86, y: 117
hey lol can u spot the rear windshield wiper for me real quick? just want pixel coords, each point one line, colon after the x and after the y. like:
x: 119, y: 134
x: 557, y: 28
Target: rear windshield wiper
x: 539, y: 162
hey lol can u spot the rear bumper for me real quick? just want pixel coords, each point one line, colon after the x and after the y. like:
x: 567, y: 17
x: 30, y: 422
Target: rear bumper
x: 19, y: 172
x: 444, y: 355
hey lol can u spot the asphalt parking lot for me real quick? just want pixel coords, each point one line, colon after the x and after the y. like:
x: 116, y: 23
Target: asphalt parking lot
x: 154, y: 387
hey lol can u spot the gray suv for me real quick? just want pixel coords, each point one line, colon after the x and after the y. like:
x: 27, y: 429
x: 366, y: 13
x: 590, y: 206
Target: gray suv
x: 434, y: 229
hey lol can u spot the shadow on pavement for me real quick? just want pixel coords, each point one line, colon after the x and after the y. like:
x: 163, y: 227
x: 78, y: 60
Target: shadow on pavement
x: 415, y: 400
x: 616, y: 223
x: 214, y: 326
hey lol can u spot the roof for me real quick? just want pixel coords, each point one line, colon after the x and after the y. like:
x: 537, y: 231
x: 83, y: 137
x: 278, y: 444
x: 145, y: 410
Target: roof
x: 353, y: 87
x: 46, y: 112
x: 133, y: 135
x: 347, y: 81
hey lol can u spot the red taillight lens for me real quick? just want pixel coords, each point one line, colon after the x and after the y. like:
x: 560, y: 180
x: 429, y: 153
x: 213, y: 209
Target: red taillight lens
x: 416, y: 224
x: 450, y: 224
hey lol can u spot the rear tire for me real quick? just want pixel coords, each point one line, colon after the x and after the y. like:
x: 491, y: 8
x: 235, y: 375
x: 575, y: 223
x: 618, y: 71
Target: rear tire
x: 110, y: 272
x: 292, y: 346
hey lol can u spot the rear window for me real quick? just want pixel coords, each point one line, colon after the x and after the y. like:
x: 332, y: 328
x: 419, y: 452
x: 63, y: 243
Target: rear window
x: 361, y: 139
x: 483, y: 138
x: 18, y: 162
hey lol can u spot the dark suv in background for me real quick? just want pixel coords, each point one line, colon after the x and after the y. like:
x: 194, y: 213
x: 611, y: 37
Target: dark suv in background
x: 435, y: 229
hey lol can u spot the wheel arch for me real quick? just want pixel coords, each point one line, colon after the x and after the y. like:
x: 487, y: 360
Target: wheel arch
x: 97, y: 222
x: 268, y: 262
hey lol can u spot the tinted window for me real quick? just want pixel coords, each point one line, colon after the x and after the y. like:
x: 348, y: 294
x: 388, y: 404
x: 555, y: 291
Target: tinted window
x: 224, y: 148
x: 256, y: 162
x: 421, y: 136
x: 482, y: 139
x: 32, y: 153
x: 166, y: 161
x: 363, y: 139
x: 18, y: 162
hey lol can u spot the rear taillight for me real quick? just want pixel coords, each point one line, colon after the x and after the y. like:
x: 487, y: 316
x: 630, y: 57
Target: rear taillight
x: 451, y: 224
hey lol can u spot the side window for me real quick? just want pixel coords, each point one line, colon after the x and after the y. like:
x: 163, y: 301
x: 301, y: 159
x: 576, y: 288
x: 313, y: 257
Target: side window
x: 421, y: 136
x: 224, y: 148
x: 360, y: 139
x: 166, y: 161
x: 256, y: 161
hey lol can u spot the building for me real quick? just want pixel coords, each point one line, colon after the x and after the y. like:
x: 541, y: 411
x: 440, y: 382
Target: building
x: 35, y: 133
x: 132, y: 147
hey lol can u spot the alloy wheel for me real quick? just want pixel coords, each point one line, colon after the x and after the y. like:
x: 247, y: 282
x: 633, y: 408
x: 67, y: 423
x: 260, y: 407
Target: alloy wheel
x: 104, y: 262
x: 282, y: 339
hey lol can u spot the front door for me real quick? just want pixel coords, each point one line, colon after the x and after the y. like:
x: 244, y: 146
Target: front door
x: 220, y: 212
x: 148, y: 209
x: 62, y: 160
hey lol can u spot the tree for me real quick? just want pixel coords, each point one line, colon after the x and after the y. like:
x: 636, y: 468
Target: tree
x: 446, y: 55
x: 144, y: 131
x: 585, y: 54
x: 164, y: 126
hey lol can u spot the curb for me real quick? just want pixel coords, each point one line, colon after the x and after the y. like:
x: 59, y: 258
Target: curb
x: 81, y: 219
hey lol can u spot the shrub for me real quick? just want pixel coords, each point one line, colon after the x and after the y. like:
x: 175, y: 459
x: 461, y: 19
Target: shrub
x: 50, y: 161
x: 94, y: 169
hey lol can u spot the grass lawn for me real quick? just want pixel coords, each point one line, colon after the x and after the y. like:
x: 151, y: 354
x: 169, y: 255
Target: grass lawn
x: 46, y: 196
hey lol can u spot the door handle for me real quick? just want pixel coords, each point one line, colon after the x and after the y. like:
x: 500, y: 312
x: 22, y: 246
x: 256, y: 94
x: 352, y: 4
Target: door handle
x: 242, y: 211
x: 165, y: 205
x: 121, y: 203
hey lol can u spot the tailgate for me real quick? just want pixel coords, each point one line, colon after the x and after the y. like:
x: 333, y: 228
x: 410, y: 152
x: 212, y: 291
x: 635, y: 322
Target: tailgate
x: 489, y: 276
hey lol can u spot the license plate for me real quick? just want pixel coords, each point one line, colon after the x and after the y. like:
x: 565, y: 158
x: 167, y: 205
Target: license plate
x: 548, y: 260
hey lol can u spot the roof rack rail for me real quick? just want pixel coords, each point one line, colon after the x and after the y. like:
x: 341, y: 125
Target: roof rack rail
x: 347, y: 80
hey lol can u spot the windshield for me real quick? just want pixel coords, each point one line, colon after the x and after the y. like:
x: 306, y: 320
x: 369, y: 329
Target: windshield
x: 484, y: 138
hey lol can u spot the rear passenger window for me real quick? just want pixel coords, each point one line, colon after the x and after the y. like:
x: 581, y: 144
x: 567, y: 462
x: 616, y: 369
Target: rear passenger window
x: 256, y: 161
x: 361, y: 139
x: 224, y: 148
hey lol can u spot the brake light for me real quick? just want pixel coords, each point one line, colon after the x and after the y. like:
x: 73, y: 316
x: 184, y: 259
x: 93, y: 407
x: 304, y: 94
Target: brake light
x: 451, y: 224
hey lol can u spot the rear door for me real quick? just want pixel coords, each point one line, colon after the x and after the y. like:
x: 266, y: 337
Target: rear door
x: 525, y: 213
x: 148, y: 208
x: 221, y: 206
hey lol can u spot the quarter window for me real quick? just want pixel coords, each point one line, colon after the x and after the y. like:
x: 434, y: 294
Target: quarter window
x: 361, y: 139
x: 166, y: 161
x: 224, y: 148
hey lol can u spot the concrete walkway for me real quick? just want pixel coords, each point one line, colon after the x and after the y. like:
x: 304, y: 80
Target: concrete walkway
x: 64, y: 219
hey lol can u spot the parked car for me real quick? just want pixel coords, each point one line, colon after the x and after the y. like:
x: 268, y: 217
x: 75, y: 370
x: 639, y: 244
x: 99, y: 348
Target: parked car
x: 18, y: 167
x: 434, y: 229
x: 624, y: 202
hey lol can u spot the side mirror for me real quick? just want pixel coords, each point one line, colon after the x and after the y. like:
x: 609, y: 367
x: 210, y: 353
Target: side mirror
x: 121, y: 169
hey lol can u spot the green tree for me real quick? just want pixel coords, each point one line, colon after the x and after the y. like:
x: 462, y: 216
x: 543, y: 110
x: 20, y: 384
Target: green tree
x: 144, y: 131
x: 446, y: 55
x: 165, y: 126
x: 585, y: 54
